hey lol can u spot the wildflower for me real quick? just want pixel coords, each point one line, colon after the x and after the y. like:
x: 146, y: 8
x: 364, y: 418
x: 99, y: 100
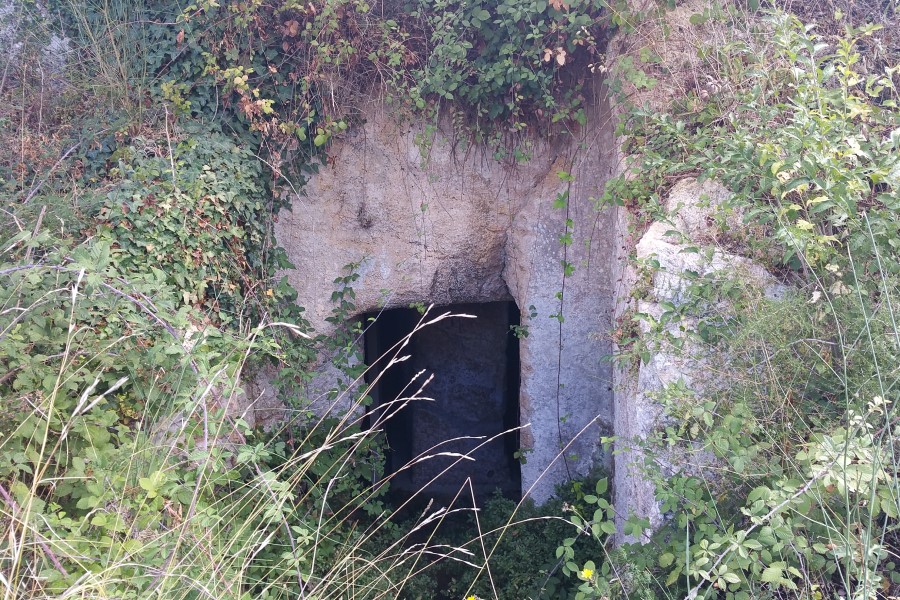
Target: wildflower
x: 587, y: 573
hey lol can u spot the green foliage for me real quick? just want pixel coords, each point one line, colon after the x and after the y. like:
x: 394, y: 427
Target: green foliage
x: 802, y: 138
x: 93, y: 368
x: 285, y: 77
x: 197, y: 216
x: 122, y: 473
x: 793, y: 490
x: 832, y: 161
x: 522, y: 545
x: 289, y: 76
x: 797, y: 493
x: 510, y: 62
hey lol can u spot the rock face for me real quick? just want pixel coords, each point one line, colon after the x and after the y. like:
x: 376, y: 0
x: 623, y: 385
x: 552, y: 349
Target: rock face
x: 688, y: 243
x: 459, y: 226
x: 51, y: 58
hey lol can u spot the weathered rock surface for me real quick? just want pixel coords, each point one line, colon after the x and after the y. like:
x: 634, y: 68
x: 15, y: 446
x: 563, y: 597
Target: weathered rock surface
x: 51, y: 59
x: 700, y: 211
x: 697, y: 223
x: 462, y: 227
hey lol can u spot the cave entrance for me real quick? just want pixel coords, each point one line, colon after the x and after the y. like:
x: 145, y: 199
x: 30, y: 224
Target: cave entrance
x: 475, y: 392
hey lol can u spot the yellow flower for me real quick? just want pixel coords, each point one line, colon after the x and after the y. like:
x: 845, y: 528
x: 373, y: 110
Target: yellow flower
x: 587, y: 573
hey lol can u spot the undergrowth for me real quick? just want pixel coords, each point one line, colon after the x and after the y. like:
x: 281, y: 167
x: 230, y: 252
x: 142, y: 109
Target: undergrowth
x: 786, y: 481
x: 141, y: 171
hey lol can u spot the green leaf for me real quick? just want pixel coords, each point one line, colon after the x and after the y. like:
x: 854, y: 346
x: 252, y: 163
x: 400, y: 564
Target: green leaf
x: 152, y: 483
x: 561, y: 200
x: 731, y: 577
x: 666, y: 559
x: 772, y: 574
x: 895, y: 138
x: 766, y: 536
x: 752, y: 544
x: 758, y: 493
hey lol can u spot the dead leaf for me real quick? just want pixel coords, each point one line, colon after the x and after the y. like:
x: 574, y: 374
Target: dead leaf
x: 559, y: 4
x: 560, y: 56
x: 292, y: 28
x: 179, y: 39
x: 548, y: 54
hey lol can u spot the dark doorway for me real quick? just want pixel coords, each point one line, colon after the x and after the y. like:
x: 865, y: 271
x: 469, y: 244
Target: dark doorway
x: 475, y: 392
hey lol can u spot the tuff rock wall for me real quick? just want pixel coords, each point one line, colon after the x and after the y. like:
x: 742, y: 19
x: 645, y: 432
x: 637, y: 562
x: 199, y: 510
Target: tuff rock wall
x: 452, y: 224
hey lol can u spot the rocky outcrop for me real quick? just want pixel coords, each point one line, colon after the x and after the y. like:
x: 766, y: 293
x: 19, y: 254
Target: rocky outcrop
x: 447, y: 222
x: 49, y: 59
x: 689, y: 243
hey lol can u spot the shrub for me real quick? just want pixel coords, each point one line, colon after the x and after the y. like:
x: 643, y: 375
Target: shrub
x: 801, y: 498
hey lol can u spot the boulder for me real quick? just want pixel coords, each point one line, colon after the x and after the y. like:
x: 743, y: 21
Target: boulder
x: 671, y: 257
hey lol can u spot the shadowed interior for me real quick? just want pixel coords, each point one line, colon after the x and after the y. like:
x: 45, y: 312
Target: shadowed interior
x: 472, y: 402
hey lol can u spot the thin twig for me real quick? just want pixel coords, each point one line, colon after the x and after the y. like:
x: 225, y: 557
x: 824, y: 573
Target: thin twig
x: 40, y: 184
x: 15, y: 219
x: 6, y: 72
x: 171, y: 154
x: 34, y: 233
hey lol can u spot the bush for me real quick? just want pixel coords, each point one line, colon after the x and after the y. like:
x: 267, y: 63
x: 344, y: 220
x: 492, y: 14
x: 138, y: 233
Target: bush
x: 801, y: 499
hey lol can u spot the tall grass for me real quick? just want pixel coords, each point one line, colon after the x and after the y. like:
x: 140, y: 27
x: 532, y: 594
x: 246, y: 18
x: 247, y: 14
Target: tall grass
x: 786, y: 479
x: 124, y: 469
x: 185, y: 501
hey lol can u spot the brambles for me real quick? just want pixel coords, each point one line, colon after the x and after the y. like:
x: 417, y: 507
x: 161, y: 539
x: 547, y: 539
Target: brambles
x: 794, y: 485
x: 138, y: 286
x: 511, y: 63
